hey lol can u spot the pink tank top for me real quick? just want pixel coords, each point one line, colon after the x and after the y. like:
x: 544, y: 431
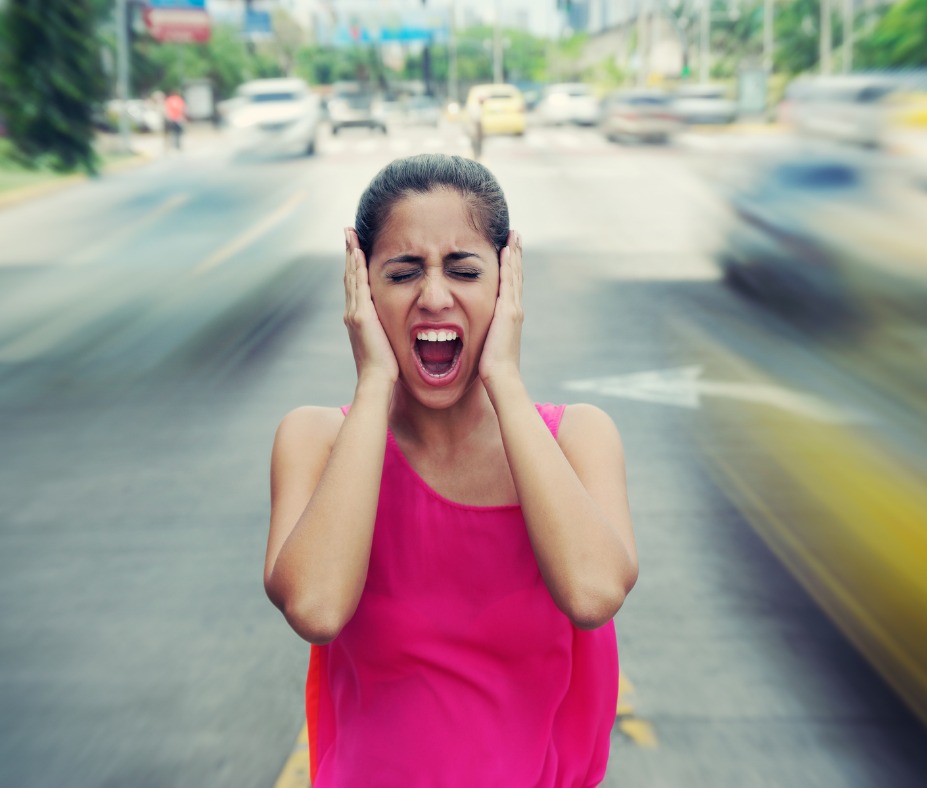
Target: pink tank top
x: 457, y: 668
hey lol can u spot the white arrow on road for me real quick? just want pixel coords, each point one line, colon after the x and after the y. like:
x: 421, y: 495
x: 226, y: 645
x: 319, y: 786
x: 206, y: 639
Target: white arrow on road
x: 683, y: 388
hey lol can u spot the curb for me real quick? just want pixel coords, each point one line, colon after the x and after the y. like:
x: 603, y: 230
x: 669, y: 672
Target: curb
x: 26, y: 193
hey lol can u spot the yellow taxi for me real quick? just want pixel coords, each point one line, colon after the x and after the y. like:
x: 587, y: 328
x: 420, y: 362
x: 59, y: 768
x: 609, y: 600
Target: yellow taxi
x: 499, y: 108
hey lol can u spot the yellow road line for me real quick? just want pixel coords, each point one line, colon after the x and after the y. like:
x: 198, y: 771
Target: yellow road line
x: 248, y: 237
x: 111, y: 240
x: 640, y: 732
x: 295, y: 773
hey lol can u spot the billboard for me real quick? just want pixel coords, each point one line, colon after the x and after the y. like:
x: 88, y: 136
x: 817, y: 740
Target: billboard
x: 345, y: 25
x: 177, y: 21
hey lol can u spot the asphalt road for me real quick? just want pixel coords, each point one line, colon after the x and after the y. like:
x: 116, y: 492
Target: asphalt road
x: 157, y: 324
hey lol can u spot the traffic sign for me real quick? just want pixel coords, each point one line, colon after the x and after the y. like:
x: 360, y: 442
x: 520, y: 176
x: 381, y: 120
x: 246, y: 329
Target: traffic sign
x: 178, y: 23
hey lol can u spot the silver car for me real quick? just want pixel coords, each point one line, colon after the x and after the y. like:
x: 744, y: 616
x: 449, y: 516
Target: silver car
x: 274, y: 115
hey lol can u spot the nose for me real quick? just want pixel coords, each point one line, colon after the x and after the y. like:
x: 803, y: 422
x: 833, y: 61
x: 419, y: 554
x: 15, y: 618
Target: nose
x: 435, y: 294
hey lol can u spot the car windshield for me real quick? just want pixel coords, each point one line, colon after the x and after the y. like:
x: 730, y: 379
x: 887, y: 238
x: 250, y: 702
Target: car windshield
x: 648, y: 101
x: 824, y: 175
x: 264, y: 98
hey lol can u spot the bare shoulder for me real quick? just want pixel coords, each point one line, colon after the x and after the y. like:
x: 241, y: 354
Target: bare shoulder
x: 585, y: 428
x: 307, y: 432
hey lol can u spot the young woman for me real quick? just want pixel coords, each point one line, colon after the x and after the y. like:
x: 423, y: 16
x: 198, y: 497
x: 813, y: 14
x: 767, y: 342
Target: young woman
x: 454, y: 552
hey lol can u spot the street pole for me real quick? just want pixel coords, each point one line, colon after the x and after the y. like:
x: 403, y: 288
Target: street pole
x: 768, y: 37
x: 453, y: 89
x: 497, y: 49
x: 848, y: 36
x: 705, y: 48
x: 643, y: 43
x: 122, y: 71
x: 824, y: 43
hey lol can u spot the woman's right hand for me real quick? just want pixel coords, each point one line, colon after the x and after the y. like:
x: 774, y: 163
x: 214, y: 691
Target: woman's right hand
x: 373, y: 354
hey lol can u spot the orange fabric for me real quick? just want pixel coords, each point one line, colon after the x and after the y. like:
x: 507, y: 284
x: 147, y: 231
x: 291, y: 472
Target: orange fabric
x: 313, y: 689
x: 174, y: 108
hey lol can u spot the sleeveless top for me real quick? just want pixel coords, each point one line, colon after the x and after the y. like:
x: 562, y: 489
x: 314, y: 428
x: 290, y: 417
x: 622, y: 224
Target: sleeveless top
x: 458, y: 669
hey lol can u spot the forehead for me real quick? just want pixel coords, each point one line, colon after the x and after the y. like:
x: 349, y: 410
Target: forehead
x: 441, y: 217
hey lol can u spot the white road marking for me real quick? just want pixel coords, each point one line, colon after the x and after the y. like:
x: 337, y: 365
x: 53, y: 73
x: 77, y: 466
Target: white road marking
x: 682, y: 388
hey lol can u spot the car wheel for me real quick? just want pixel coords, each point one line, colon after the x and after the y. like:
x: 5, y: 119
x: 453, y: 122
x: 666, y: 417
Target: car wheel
x: 310, y: 148
x: 335, y: 130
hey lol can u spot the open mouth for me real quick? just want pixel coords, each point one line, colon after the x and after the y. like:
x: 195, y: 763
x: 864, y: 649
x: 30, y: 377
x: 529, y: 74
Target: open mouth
x: 438, y: 351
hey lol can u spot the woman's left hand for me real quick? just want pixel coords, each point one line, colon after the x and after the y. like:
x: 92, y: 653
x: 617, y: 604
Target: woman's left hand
x: 502, y: 349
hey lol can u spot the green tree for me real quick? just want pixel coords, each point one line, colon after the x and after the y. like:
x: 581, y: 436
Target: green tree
x: 51, y: 80
x: 797, y: 31
x: 899, y: 39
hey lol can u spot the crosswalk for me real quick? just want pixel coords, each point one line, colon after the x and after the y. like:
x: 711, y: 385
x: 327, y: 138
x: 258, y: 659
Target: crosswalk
x: 451, y: 140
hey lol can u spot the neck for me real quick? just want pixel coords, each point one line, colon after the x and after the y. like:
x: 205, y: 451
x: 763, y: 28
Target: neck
x: 437, y: 427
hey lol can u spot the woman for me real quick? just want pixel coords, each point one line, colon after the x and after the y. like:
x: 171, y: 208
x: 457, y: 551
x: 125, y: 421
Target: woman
x: 454, y: 553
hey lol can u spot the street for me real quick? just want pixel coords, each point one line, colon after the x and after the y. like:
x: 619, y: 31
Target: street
x: 156, y: 325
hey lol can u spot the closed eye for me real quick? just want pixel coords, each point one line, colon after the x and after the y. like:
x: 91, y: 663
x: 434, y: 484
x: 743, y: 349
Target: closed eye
x: 465, y: 273
x: 402, y: 276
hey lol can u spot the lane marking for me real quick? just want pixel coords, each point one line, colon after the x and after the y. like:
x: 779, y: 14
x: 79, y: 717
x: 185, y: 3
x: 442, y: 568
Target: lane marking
x: 112, y: 240
x: 295, y: 772
x: 683, y: 388
x: 640, y: 732
x: 248, y: 237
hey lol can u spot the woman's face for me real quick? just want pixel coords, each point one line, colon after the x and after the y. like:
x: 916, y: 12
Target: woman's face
x: 434, y: 280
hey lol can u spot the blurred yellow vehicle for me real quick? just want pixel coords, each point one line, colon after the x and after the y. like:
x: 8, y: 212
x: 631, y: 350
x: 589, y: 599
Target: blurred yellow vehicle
x: 498, y: 109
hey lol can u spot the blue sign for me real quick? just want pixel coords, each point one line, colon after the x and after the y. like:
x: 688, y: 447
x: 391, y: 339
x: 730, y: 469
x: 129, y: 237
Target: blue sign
x: 258, y: 23
x: 186, y: 4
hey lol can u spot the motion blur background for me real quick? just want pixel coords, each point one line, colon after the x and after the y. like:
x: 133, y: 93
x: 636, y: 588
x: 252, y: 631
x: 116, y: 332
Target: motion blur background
x: 725, y: 211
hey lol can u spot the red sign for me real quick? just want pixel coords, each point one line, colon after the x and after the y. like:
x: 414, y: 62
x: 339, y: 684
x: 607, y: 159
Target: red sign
x: 178, y: 25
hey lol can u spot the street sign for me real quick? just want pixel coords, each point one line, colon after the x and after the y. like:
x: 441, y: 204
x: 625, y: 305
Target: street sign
x: 198, y: 4
x: 177, y: 24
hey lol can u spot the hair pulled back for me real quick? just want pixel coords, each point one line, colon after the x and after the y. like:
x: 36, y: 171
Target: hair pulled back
x: 489, y: 213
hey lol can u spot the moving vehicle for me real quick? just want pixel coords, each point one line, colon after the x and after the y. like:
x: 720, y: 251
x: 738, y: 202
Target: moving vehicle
x: 274, y: 115
x: 851, y: 108
x: 353, y: 105
x: 704, y: 104
x: 645, y: 115
x: 498, y: 108
x: 568, y: 102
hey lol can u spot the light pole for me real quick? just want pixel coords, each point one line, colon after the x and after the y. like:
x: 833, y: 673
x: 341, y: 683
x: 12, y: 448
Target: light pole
x: 497, y: 70
x: 768, y: 37
x: 824, y: 43
x: 122, y: 71
x: 705, y: 46
x: 847, y: 36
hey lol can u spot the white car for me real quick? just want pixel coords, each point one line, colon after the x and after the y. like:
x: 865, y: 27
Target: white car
x: 274, y: 115
x: 704, y: 104
x: 568, y: 102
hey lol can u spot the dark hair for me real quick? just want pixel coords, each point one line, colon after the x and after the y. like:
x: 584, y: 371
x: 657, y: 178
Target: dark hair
x: 489, y: 213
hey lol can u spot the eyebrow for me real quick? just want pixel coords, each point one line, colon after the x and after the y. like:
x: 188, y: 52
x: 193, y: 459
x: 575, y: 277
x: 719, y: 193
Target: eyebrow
x: 451, y: 257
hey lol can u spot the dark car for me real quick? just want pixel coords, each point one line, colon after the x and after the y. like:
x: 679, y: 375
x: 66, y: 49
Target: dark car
x: 354, y: 107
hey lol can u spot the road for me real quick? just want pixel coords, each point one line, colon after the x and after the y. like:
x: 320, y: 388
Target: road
x: 156, y: 325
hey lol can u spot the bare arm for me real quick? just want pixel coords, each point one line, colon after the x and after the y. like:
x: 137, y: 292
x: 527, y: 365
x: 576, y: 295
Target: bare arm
x: 325, y: 481
x: 573, y: 493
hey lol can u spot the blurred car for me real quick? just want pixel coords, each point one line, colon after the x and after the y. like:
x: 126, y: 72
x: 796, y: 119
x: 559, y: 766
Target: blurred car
x: 499, y: 108
x: 274, y: 114
x: 852, y: 108
x: 422, y: 111
x: 646, y: 115
x: 830, y: 236
x: 572, y: 102
x: 352, y: 105
x: 704, y: 104
x: 142, y: 115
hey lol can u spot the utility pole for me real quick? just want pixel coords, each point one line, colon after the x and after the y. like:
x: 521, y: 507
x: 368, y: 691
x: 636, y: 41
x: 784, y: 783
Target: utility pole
x: 824, y: 44
x: 768, y: 37
x: 643, y: 43
x: 453, y: 88
x: 497, y: 70
x: 122, y: 71
x: 705, y: 48
x: 848, y: 36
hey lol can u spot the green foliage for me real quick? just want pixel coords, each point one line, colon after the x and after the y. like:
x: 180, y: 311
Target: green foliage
x: 797, y: 32
x: 50, y: 81
x: 899, y: 39
x: 225, y: 60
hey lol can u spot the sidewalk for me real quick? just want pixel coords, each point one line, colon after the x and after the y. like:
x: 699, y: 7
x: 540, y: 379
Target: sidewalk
x: 143, y: 149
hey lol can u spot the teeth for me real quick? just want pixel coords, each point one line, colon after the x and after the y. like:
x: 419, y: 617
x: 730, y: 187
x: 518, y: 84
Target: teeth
x: 436, y: 336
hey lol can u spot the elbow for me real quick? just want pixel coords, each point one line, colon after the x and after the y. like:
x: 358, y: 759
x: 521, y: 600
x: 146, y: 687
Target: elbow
x: 594, y: 606
x: 316, y: 622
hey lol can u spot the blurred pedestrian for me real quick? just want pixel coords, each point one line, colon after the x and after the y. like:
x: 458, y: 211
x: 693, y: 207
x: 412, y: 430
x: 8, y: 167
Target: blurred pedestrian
x: 175, y: 115
x: 454, y: 552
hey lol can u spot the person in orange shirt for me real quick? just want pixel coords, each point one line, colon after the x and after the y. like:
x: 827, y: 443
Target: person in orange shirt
x: 175, y: 114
